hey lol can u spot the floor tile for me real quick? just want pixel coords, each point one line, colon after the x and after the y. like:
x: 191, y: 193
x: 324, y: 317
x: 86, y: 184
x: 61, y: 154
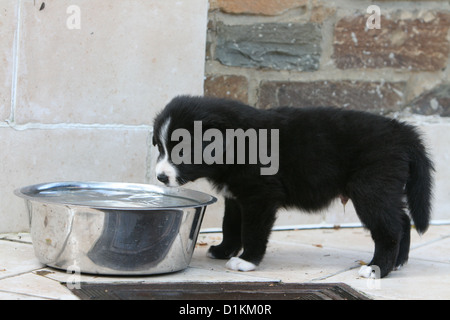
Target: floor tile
x: 304, y: 263
x: 433, y: 234
x: 288, y: 260
x: 17, y: 237
x: 357, y: 239
x: 16, y: 258
x: 417, y: 280
x: 33, y: 285
x: 6, y: 295
x: 438, y: 250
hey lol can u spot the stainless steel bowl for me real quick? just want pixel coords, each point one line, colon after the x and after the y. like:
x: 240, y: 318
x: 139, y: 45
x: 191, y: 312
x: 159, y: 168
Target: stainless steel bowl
x: 114, y: 228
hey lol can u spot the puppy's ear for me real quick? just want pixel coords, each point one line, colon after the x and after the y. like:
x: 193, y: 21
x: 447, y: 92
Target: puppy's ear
x: 154, y: 140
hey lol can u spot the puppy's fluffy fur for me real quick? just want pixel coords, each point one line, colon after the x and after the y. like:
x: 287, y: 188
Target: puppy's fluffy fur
x: 324, y: 153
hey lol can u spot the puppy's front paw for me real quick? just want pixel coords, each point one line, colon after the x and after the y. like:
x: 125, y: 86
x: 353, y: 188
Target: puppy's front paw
x: 239, y: 264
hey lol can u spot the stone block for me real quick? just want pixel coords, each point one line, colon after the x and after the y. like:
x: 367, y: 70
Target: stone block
x: 121, y: 63
x: 377, y: 97
x: 281, y: 46
x: 321, y: 13
x: 260, y: 7
x: 231, y: 87
x: 413, y: 44
x: 76, y: 154
x: 433, y: 102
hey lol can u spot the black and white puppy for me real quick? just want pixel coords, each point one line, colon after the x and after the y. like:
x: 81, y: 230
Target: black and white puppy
x: 302, y: 158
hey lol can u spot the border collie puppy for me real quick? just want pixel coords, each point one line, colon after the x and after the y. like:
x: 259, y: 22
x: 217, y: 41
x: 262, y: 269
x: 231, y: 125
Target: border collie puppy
x: 311, y: 156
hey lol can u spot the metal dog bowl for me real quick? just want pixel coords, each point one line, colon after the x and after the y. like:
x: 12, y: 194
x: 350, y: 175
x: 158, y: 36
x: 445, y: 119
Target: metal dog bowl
x: 114, y: 228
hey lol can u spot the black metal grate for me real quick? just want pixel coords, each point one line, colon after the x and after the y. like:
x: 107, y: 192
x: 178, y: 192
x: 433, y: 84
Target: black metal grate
x: 217, y: 291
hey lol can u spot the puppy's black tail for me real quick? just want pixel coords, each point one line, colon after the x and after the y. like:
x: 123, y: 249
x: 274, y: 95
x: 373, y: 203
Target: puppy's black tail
x: 419, y: 186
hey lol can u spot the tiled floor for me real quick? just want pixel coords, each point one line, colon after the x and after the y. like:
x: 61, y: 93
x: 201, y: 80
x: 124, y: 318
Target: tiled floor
x: 319, y: 255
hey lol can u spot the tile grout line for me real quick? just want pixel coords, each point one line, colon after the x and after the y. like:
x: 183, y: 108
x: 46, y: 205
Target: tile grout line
x: 65, y: 125
x: 16, y: 240
x: 21, y: 273
x: 335, y: 273
x: 16, y: 53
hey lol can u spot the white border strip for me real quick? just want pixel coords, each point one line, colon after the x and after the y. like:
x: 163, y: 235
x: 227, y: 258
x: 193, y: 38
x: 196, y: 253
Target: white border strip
x: 321, y: 226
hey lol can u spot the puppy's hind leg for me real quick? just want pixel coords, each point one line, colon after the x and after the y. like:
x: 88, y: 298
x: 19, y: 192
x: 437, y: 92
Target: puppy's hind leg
x: 386, y: 228
x: 405, y: 242
x: 231, y: 230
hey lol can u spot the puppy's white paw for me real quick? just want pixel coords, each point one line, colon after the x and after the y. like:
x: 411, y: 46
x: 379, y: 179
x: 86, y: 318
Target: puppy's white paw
x: 366, y: 272
x: 239, y: 264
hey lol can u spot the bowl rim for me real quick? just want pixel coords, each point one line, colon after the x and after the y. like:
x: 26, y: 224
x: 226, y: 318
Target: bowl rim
x: 29, y: 193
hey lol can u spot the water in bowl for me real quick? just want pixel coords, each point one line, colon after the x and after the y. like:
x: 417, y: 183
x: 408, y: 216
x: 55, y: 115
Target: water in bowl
x: 114, y: 198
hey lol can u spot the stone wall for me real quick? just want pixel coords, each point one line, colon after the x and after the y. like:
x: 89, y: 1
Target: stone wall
x: 315, y: 53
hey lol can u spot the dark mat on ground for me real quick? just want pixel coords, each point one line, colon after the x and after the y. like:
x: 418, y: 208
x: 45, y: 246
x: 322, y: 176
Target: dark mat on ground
x: 217, y: 291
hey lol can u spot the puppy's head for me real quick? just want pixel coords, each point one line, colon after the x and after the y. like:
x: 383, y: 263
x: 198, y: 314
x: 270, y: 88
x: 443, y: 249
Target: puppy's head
x: 180, y: 113
x: 166, y: 171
